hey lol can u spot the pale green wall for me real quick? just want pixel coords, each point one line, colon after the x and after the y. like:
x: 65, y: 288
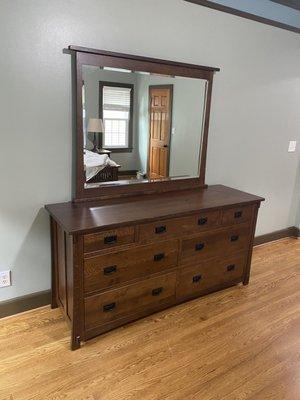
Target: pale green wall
x: 255, y: 109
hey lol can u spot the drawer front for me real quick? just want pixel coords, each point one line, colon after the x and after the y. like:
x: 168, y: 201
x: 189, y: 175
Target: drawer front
x: 235, y: 239
x: 171, y: 228
x: 212, y: 244
x: 107, y: 239
x: 236, y: 215
x: 111, y: 269
x: 114, y: 304
x: 193, y: 280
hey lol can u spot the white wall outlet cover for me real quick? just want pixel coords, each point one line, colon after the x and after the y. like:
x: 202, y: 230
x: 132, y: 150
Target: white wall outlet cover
x: 292, y: 146
x: 5, y: 279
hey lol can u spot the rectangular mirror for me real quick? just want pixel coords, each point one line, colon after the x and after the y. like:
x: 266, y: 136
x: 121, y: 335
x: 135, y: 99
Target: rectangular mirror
x: 139, y: 122
x: 138, y: 125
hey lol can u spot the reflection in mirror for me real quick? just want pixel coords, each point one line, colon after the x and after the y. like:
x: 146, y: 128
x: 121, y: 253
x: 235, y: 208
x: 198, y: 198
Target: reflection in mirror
x: 139, y: 126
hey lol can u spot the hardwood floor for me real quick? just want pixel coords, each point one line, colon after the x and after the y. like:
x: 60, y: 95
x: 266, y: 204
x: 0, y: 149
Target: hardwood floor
x: 239, y: 344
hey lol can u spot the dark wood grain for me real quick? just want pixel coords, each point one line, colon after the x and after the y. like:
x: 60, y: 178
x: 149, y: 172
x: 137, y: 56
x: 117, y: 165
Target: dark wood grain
x: 107, y: 272
x: 236, y: 215
x: 81, y: 57
x: 54, y: 266
x: 215, y: 243
x: 129, y: 299
x: 246, y: 276
x: 175, y: 227
x: 204, y: 139
x: 77, y: 312
x: 100, y: 241
x: 115, y: 268
x: 199, y: 277
x: 140, y: 58
x: 100, y: 215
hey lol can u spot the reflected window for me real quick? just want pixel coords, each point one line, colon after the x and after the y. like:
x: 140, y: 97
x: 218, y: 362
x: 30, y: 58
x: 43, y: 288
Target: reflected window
x: 116, y: 113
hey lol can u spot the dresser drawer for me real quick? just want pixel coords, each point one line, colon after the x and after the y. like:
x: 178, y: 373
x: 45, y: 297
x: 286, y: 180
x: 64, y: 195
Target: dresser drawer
x: 236, y: 215
x: 211, y: 244
x: 194, y: 279
x: 106, y: 270
x: 108, y: 239
x: 170, y: 228
x: 114, y: 304
x: 235, y: 239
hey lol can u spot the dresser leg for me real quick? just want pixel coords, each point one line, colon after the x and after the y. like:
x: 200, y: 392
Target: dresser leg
x: 54, y: 266
x: 246, y: 281
x: 75, y: 342
x: 53, y: 303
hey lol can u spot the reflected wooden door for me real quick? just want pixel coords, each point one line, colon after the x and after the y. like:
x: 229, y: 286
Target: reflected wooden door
x: 160, y: 110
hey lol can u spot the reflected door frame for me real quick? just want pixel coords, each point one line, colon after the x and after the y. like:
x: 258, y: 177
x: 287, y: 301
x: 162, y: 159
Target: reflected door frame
x: 169, y: 87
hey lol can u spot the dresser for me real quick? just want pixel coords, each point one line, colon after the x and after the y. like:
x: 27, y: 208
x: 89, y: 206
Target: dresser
x: 116, y: 261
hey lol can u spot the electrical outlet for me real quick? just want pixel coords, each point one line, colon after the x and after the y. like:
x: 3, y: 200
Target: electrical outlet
x: 5, y: 278
x: 292, y: 146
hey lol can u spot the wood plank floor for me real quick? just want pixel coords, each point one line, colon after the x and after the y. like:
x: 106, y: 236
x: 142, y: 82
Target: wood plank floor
x: 239, y: 344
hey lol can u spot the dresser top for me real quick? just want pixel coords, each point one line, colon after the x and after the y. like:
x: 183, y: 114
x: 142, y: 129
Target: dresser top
x: 107, y: 214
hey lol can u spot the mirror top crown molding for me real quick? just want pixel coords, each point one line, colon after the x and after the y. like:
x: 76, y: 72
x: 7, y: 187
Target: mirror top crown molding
x: 87, y: 56
x: 140, y: 58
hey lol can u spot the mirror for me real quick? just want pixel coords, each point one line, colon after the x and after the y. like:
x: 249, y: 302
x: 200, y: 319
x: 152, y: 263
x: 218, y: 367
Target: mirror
x: 139, y: 126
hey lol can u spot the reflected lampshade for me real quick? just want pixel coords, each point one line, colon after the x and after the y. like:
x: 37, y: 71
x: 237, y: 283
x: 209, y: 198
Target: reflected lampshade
x: 95, y: 125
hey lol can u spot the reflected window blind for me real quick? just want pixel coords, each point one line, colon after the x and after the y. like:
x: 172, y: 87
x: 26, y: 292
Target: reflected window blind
x: 116, y: 115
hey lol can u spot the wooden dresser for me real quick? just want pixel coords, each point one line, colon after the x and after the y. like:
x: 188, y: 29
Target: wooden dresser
x: 119, y: 260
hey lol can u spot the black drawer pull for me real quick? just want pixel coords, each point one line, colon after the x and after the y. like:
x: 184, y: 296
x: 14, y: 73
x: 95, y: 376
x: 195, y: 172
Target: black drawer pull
x: 197, y: 278
x: 110, y: 270
x: 109, y: 307
x: 161, y: 229
x: 110, y: 239
x: 157, y: 291
x: 199, y: 246
x: 202, y: 221
x: 238, y: 214
x: 230, y: 267
x: 158, y: 257
x: 234, y: 238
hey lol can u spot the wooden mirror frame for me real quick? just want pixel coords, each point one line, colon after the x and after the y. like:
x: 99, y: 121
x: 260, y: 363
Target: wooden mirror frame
x: 102, y: 58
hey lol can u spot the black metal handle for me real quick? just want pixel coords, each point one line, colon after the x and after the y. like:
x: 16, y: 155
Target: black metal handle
x: 230, y: 267
x: 109, y: 307
x: 158, y: 257
x: 234, y: 238
x: 197, y: 278
x: 161, y: 229
x: 157, y: 291
x: 199, y: 246
x: 238, y: 214
x: 110, y: 270
x: 165, y: 145
x: 202, y: 221
x: 110, y: 239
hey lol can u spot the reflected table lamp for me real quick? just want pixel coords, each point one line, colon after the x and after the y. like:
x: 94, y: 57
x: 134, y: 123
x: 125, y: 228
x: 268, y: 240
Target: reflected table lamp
x: 95, y: 126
